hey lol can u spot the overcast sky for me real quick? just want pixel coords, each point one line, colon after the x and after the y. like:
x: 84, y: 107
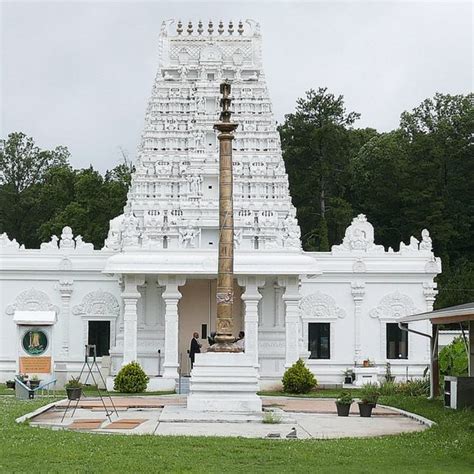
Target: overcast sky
x: 79, y: 73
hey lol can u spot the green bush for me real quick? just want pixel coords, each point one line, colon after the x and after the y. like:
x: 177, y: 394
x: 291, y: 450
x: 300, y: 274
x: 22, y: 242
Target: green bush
x: 415, y: 387
x: 298, y: 378
x: 453, y: 358
x: 369, y: 393
x: 131, y: 379
x: 344, y: 398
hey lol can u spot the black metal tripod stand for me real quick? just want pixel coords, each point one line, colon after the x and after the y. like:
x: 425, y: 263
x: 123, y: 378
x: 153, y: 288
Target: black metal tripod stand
x: 91, y: 353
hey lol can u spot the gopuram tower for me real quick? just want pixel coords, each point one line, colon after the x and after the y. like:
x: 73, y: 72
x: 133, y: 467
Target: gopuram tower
x: 173, y: 199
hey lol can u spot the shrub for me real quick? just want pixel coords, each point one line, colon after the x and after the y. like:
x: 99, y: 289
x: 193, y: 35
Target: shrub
x: 369, y: 393
x: 415, y: 387
x: 298, y: 378
x: 345, y: 398
x: 453, y: 358
x: 73, y: 382
x: 271, y: 418
x: 131, y: 379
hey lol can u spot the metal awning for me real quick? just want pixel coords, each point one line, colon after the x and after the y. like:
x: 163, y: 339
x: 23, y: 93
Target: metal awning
x: 453, y: 314
x: 34, y: 318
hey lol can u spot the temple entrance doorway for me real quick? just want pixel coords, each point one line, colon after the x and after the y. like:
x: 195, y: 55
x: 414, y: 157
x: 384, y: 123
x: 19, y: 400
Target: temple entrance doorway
x: 197, y: 313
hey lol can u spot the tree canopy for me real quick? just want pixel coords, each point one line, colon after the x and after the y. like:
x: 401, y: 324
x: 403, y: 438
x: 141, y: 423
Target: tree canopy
x: 40, y: 193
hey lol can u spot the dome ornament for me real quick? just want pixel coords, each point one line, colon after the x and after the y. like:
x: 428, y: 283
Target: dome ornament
x: 179, y: 28
x: 190, y: 28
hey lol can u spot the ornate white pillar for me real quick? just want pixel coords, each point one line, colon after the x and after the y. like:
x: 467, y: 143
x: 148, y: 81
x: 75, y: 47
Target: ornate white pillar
x: 358, y: 292
x: 251, y: 297
x: 65, y: 289
x: 130, y: 296
x: 291, y: 299
x: 171, y: 297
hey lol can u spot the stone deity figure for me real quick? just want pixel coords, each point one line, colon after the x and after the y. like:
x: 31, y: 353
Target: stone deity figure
x: 66, y: 241
x: 186, y: 236
x: 52, y: 244
x: 426, y: 242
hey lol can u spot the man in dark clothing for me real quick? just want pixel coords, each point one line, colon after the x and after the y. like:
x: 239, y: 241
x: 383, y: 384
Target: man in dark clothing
x: 195, y: 348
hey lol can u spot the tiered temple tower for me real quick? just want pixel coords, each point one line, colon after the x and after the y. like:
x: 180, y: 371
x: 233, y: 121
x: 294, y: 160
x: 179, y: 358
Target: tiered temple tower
x: 173, y: 200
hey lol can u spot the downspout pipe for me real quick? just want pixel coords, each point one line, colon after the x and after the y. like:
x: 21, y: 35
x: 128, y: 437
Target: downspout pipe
x: 433, y: 343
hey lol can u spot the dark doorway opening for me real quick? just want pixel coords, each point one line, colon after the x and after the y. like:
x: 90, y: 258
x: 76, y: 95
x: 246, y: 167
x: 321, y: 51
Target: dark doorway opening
x: 99, y: 334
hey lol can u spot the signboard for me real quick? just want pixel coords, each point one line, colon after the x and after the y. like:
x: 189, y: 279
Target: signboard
x: 35, y: 365
x: 35, y: 342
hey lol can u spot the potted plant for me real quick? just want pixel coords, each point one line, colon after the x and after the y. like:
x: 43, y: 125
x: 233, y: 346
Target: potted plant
x: 34, y: 381
x: 369, y: 394
x: 348, y: 376
x: 10, y: 383
x: 343, y: 404
x: 74, y: 389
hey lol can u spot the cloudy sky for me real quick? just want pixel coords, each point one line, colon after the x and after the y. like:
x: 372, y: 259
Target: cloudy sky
x: 79, y: 73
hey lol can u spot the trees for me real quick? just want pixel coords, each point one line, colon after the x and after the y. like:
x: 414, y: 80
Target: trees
x: 317, y: 143
x: 94, y: 200
x: 40, y: 194
x: 23, y: 169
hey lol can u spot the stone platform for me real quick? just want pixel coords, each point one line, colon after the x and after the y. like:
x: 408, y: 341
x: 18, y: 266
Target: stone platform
x: 224, y: 382
x: 168, y: 415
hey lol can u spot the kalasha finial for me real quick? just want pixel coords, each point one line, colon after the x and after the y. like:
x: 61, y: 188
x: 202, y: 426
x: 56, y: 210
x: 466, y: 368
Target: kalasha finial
x: 231, y: 28
x: 210, y: 29
x: 179, y: 29
x: 241, y: 27
x: 221, y: 27
x: 200, y: 28
x: 190, y: 28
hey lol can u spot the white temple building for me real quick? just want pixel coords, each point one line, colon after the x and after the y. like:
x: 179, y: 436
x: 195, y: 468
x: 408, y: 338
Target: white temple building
x: 153, y: 284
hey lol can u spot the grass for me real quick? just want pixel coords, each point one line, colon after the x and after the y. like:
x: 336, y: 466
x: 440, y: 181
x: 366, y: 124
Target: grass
x: 317, y: 393
x: 447, y: 447
x: 88, y: 391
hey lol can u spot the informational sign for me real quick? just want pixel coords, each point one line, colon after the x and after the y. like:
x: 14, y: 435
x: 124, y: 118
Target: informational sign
x: 35, y: 341
x: 35, y: 365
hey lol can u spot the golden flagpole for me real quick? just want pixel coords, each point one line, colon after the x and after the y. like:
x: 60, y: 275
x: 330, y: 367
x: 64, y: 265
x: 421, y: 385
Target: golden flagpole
x: 225, y: 274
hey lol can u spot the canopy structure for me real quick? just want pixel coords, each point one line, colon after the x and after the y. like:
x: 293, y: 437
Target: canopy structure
x: 454, y: 314
x: 32, y: 318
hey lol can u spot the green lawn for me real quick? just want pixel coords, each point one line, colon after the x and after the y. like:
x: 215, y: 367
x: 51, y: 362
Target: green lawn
x: 447, y: 447
x: 88, y: 391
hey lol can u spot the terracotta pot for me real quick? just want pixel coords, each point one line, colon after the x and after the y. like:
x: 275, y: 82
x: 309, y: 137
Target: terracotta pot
x: 365, y: 409
x: 343, y: 409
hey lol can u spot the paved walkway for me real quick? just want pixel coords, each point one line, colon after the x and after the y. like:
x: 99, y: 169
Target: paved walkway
x: 167, y: 415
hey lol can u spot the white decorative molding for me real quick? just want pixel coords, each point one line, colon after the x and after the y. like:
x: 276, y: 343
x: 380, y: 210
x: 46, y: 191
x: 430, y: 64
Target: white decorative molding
x: 320, y: 306
x: 6, y: 243
x: 67, y: 243
x: 98, y: 305
x: 394, y: 306
x: 430, y: 292
x: 359, y: 237
x: 416, y: 246
x: 31, y: 300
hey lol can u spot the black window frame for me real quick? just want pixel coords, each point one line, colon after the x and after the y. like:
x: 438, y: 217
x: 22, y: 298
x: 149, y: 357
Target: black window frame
x: 394, y: 334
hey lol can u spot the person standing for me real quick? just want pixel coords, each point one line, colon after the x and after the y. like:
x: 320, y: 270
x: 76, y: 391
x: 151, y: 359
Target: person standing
x: 240, y: 341
x: 195, y: 348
